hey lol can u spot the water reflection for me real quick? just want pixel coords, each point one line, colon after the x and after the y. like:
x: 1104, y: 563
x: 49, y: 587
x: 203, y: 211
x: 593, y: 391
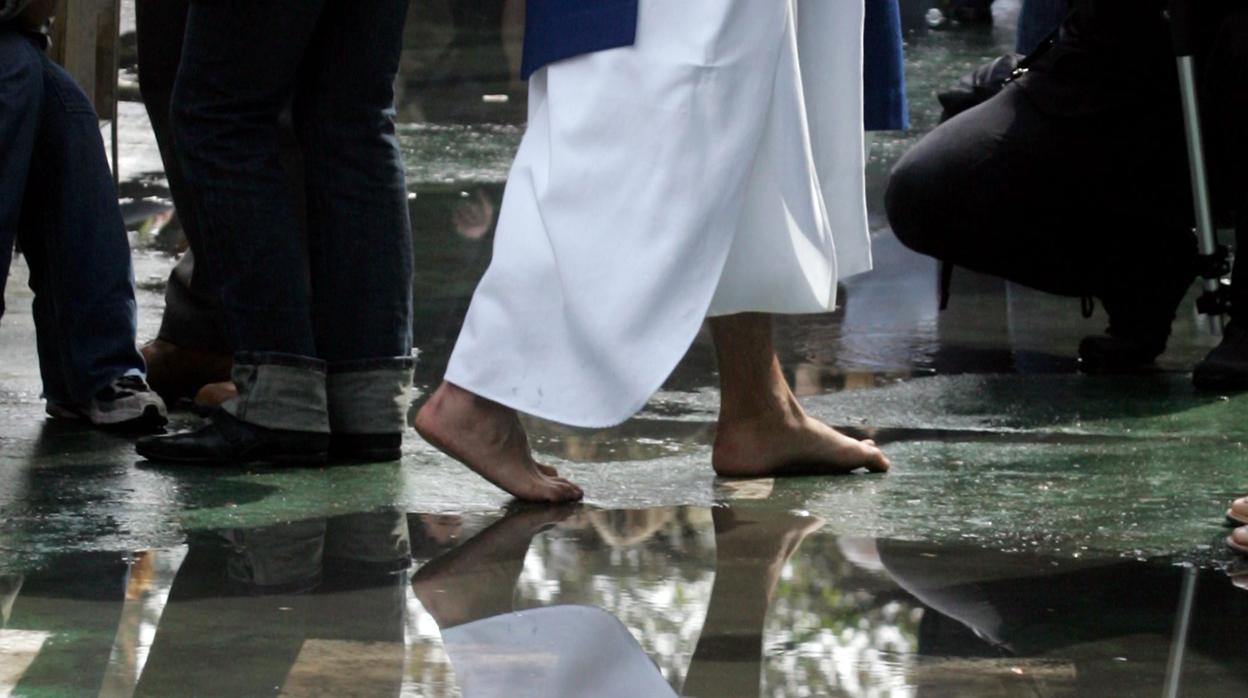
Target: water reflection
x: 740, y: 599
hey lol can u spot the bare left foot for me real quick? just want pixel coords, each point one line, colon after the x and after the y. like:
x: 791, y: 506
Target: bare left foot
x: 790, y: 443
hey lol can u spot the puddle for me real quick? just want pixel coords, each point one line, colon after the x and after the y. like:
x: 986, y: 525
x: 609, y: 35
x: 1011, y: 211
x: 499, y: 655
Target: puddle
x: 738, y: 599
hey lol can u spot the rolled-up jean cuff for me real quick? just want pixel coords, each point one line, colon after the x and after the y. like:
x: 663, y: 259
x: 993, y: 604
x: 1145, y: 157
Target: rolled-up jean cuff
x: 280, y: 391
x: 370, y: 396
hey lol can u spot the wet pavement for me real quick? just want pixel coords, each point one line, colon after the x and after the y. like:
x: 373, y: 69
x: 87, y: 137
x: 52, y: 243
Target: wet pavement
x: 1043, y: 532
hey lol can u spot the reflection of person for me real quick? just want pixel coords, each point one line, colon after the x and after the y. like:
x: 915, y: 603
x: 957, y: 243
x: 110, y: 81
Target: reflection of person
x: 58, y: 199
x: 261, y: 601
x: 714, y: 167
x: 322, y: 336
x: 751, y: 552
x: 986, y: 602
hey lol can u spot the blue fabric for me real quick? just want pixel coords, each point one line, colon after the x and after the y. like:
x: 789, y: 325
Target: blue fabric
x: 1037, y: 20
x: 57, y: 196
x: 884, y: 76
x: 559, y: 29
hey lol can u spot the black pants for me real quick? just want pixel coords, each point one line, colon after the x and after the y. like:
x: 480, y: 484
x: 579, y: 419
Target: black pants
x: 1092, y: 205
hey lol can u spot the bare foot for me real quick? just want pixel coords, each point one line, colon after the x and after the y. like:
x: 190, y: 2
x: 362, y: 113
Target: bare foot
x: 487, y: 437
x: 478, y: 579
x: 213, y: 395
x: 793, y: 444
x: 1238, y: 513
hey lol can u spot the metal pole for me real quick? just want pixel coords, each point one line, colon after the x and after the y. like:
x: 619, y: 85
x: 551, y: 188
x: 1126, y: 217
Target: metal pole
x: 1183, y: 626
x: 1205, y: 231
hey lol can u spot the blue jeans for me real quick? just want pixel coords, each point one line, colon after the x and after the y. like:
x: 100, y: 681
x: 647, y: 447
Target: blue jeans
x: 348, y: 295
x: 58, y: 200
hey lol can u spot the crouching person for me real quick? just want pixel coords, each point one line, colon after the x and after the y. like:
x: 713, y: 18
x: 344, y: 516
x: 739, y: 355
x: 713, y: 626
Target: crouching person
x: 58, y: 201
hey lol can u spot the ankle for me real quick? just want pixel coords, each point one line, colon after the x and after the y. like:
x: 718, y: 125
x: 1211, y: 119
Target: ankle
x: 777, y: 407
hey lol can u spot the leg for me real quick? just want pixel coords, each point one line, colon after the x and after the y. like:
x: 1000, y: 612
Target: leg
x: 239, y: 67
x: 192, y: 347
x: 762, y: 428
x: 21, y: 93
x: 79, y: 255
x: 489, y: 439
x: 359, y: 235
x: 1087, y: 216
x: 1226, y: 367
x: 193, y: 318
x: 751, y: 551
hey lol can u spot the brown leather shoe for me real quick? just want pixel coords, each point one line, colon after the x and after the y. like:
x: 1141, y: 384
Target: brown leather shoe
x: 175, y: 372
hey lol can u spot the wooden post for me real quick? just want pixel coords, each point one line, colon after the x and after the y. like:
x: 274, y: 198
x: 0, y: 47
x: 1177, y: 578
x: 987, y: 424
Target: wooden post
x: 85, y: 41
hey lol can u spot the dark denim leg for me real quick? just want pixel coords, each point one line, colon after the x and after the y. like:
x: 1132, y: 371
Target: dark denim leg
x: 359, y: 236
x: 21, y: 97
x: 240, y: 63
x: 193, y: 318
x: 75, y: 241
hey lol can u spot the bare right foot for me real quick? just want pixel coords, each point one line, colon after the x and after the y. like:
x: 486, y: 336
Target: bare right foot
x: 792, y: 443
x: 488, y: 438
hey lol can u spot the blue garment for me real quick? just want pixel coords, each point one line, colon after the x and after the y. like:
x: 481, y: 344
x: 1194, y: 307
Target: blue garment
x: 1037, y: 20
x: 348, y: 295
x: 884, y: 76
x: 558, y: 29
x: 57, y: 196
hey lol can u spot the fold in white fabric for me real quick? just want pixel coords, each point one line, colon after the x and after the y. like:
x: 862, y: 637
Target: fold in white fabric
x: 713, y: 168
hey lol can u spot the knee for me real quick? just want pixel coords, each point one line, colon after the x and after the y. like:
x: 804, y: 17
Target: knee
x: 912, y: 200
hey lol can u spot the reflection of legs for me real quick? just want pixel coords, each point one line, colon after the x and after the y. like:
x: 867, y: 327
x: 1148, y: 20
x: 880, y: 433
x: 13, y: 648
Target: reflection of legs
x: 750, y: 554
x: 78, y: 598
x: 478, y: 579
x: 762, y: 428
x: 488, y: 438
x: 214, y: 620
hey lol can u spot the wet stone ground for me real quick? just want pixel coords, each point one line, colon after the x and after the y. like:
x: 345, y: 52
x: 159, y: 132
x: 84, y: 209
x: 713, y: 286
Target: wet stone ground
x: 1042, y: 533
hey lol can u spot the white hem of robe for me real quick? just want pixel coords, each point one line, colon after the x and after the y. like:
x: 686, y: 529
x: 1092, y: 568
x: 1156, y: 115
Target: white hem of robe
x: 713, y: 168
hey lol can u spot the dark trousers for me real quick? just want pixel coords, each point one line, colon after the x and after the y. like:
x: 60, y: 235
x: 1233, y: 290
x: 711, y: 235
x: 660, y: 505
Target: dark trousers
x: 348, y: 294
x: 193, y: 317
x: 1093, y: 204
x: 58, y: 199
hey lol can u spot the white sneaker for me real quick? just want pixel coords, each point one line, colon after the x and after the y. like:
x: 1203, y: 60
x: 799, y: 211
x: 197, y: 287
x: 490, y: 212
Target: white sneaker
x: 127, y: 403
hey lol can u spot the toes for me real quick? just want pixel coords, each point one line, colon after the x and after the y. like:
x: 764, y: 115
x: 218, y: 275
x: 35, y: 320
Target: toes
x: 878, y: 462
x: 561, y: 490
x: 547, y: 470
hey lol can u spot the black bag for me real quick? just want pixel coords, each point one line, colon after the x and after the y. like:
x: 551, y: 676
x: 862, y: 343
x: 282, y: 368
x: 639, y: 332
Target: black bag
x: 983, y: 83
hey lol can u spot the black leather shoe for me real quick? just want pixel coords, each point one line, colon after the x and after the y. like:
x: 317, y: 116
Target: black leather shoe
x: 1226, y: 367
x: 227, y: 441
x: 365, y: 448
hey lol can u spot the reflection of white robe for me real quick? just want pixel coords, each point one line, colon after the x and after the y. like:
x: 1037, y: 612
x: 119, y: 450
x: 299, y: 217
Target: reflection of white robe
x: 554, y: 652
x: 715, y: 167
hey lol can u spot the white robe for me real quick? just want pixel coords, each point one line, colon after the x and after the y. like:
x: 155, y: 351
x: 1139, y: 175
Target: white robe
x: 713, y: 168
